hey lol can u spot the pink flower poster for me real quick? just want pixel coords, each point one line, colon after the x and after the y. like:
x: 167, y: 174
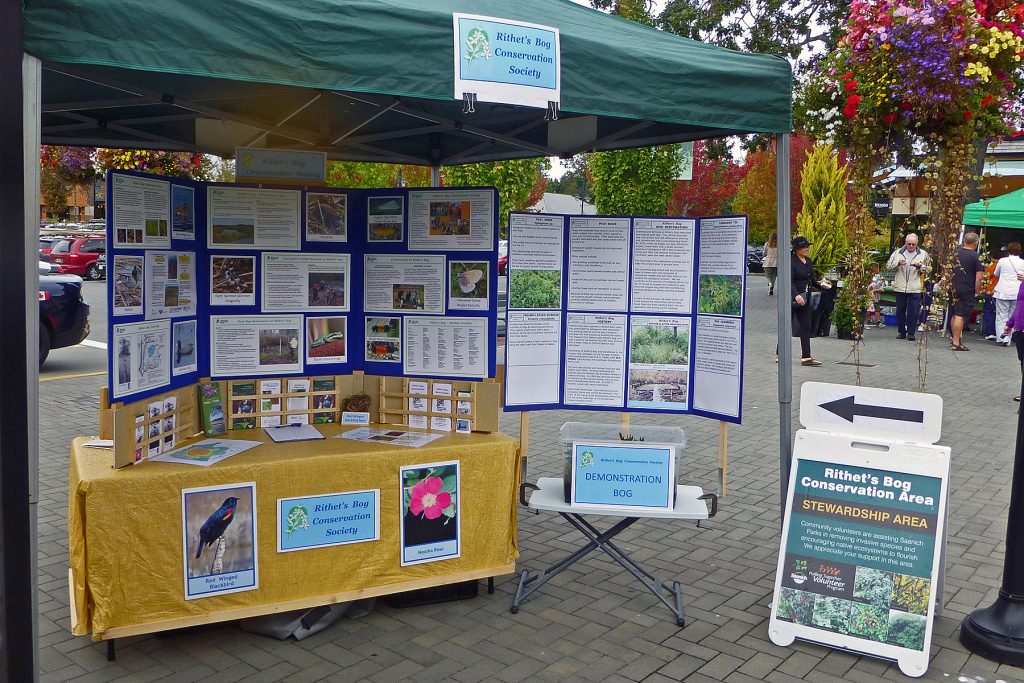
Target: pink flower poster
x: 430, y: 512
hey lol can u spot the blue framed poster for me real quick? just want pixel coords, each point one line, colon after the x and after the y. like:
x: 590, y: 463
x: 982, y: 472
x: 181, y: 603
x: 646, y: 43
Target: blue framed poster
x: 326, y: 520
x: 219, y: 549
x: 623, y: 475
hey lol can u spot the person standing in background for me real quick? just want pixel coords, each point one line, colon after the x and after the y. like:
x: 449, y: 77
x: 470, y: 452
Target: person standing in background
x: 1006, y: 287
x: 771, y: 262
x: 802, y: 282
x: 966, y: 282
x: 910, y: 264
x: 1014, y: 328
x: 988, y: 302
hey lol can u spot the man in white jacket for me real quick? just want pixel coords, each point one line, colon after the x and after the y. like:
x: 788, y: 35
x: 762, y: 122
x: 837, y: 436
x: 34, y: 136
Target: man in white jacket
x: 909, y: 263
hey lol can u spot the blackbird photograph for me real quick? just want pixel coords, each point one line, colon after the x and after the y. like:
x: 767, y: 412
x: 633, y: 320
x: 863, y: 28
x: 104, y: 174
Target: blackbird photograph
x: 216, y: 512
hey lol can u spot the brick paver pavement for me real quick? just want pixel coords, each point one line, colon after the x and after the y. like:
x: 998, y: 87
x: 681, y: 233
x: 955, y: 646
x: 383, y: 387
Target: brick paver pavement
x: 594, y: 622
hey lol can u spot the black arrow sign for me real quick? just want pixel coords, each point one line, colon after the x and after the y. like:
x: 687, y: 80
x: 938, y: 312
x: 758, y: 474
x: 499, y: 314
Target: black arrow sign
x: 847, y: 408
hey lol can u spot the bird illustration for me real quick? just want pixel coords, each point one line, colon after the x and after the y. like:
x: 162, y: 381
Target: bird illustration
x: 215, y: 525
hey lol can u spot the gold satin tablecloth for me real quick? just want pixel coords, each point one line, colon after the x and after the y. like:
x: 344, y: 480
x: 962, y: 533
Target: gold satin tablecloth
x: 125, y: 537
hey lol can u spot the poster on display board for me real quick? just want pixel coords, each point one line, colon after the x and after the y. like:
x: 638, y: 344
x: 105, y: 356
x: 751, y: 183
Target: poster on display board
x: 254, y: 256
x: 614, y: 313
x: 141, y: 212
x: 860, y: 555
x: 219, y: 548
x: 430, y: 523
x: 142, y: 356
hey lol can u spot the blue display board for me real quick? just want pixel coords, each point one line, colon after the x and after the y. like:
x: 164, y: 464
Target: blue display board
x: 203, y: 276
x: 626, y: 313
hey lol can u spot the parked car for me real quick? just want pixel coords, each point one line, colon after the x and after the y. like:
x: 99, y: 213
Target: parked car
x: 101, y: 263
x: 754, y: 257
x: 63, y: 313
x: 502, y: 257
x: 78, y: 256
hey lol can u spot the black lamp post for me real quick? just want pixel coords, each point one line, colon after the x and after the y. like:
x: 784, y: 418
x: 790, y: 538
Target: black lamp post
x: 996, y: 632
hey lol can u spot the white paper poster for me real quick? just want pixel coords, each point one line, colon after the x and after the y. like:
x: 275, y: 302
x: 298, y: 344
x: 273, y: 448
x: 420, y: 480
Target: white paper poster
x: 256, y: 345
x: 170, y: 284
x: 716, y: 365
x: 142, y: 353
x: 451, y: 220
x: 533, y: 352
x: 305, y: 282
x: 598, y: 264
x: 128, y: 284
x: 659, y: 363
x: 535, y: 261
x: 595, y: 359
x: 232, y: 280
x: 662, y: 265
x: 723, y: 261
x: 183, y: 348
x: 385, y: 218
x: 252, y: 218
x: 142, y: 212
x: 450, y: 346
x: 326, y: 217
x: 468, y: 285
x: 403, y: 284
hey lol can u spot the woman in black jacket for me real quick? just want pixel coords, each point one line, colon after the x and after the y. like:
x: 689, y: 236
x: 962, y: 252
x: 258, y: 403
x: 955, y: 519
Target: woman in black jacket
x: 802, y: 283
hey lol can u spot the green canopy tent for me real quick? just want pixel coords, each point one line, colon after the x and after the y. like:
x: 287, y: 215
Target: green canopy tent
x: 368, y: 80
x: 1004, y: 211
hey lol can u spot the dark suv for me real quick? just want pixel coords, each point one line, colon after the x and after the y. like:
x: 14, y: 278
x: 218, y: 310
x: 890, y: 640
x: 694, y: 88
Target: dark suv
x: 63, y: 313
x: 78, y: 255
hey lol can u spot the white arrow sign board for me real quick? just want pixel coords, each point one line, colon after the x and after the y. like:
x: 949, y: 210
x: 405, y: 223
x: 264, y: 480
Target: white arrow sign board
x: 871, y: 413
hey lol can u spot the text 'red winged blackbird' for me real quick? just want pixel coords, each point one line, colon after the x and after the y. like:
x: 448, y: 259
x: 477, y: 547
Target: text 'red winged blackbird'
x: 214, y: 526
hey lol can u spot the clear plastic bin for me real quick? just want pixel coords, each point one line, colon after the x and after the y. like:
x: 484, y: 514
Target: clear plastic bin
x: 589, y: 431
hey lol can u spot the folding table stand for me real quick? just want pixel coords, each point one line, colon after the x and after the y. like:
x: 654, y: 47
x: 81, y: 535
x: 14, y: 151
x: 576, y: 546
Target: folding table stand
x: 548, y: 496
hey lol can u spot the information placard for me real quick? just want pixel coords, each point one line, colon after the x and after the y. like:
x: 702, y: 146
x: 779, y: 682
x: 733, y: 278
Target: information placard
x: 328, y: 520
x: 860, y: 553
x: 623, y: 475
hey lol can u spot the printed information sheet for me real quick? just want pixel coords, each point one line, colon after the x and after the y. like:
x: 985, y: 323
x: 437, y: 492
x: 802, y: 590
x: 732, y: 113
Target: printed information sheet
x: 716, y: 365
x: 253, y: 218
x: 533, y: 354
x: 170, y: 284
x: 445, y: 346
x: 662, y: 265
x: 451, y: 220
x: 723, y: 260
x: 595, y: 359
x: 141, y: 212
x: 535, y: 261
x: 142, y: 352
x: 305, y: 282
x: 403, y: 284
x: 659, y: 362
x: 598, y: 264
x: 255, y: 344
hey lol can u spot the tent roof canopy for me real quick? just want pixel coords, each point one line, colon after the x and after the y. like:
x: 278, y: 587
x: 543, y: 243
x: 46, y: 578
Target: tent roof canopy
x: 372, y: 80
x: 1004, y: 211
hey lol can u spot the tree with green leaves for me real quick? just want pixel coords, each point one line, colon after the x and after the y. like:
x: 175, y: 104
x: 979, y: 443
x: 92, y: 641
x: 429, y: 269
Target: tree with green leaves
x: 822, y: 220
x: 520, y: 182
x: 634, y: 181
x: 575, y: 181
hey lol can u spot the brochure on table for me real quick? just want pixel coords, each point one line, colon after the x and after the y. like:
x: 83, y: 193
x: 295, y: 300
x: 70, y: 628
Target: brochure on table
x: 226, y: 280
x: 626, y: 313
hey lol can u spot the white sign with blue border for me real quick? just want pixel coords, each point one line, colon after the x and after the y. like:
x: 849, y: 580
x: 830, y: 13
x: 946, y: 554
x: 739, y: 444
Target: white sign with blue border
x: 624, y: 475
x: 511, y: 62
x: 255, y: 163
x: 329, y: 519
x: 218, y: 526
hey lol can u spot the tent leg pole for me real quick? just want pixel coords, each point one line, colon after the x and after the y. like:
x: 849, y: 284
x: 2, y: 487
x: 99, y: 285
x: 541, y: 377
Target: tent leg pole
x: 435, y: 176
x: 784, y: 314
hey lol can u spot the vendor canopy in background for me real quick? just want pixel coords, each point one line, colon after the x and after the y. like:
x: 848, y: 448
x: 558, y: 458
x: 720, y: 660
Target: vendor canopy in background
x: 372, y: 80
x: 1004, y: 211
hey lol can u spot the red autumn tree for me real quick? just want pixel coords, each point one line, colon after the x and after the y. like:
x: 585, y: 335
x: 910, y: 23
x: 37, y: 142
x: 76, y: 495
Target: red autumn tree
x: 756, y: 194
x: 714, y: 183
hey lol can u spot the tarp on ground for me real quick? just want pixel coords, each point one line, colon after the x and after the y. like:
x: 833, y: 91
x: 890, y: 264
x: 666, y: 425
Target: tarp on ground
x: 1004, y: 211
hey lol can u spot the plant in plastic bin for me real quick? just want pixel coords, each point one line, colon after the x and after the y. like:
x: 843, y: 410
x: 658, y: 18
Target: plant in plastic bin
x: 433, y: 496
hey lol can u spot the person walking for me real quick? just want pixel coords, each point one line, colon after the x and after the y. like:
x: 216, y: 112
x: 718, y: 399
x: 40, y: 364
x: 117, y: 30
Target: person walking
x: 1014, y: 327
x: 875, y: 288
x: 1006, y: 274
x: 771, y: 262
x: 966, y: 282
x: 802, y: 282
x: 909, y: 263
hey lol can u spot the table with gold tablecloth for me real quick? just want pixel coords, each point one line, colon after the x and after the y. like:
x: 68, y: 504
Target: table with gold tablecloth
x: 125, y: 536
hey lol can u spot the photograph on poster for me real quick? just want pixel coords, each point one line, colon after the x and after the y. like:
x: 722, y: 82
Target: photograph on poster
x: 219, y: 539
x: 407, y: 297
x: 143, y: 356
x: 326, y: 217
x: 278, y: 346
x: 430, y: 512
x: 384, y: 350
x: 170, y: 278
x: 659, y: 362
x: 326, y: 290
x: 449, y: 218
x: 156, y: 228
x: 384, y: 219
x: 326, y: 340
x: 259, y: 344
x: 467, y: 285
x: 183, y: 348
x: 183, y: 213
x: 232, y: 280
x: 535, y: 289
x: 720, y: 294
x: 127, y: 284
x: 233, y: 231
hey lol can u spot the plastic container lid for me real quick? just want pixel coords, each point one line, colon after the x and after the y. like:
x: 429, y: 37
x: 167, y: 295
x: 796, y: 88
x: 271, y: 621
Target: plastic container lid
x: 590, y: 431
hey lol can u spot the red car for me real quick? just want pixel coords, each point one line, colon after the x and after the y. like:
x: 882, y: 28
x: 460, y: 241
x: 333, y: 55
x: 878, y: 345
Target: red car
x: 503, y: 257
x: 78, y: 256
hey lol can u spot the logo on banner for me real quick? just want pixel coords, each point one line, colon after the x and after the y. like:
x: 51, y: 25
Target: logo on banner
x: 477, y: 45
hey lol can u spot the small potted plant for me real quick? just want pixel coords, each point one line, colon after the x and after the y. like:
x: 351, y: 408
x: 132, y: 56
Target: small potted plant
x: 848, y: 317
